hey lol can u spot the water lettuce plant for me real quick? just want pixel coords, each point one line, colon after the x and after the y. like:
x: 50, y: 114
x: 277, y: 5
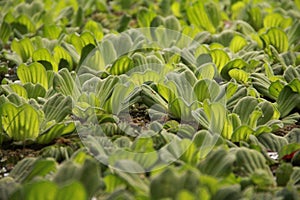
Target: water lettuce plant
x: 128, y: 99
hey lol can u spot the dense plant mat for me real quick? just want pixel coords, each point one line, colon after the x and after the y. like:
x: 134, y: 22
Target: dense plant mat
x: 165, y: 99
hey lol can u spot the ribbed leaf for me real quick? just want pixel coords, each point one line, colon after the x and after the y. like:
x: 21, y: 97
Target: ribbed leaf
x: 220, y: 58
x: 44, y: 57
x: 275, y: 88
x: 5, y: 32
x: 206, y: 89
x: 219, y: 163
x: 237, y: 43
x: 23, y: 48
x: 29, y: 168
x: 57, y: 107
x: 34, y: 73
x: 180, y: 109
x: 35, y: 90
x: 94, y: 28
x: 276, y: 20
x: 15, y: 88
x: 293, y: 136
x: 250, y: 161
x: 62, y: 58
x: 142, y: 77
x: 74, y: 190
x: 272, y: 142
x: 287, y: 101
x: 198, y: 15
x: 245, y: 107
x: 42, y: 189
x: 236, y: 63
x: 55, y: 131
x: 241, y: 134
x: 206, y: 71
x: 277, y: 38
x: 64, y: 83
x: 122, y: 65
x: 15, y: 121
x: 144, y: 17
x: 52, y: 31
x: 239, y: 75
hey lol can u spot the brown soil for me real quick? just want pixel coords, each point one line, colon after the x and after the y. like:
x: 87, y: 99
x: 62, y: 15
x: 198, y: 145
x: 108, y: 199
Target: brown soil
x: 10, y: 157
x: 286, y: 129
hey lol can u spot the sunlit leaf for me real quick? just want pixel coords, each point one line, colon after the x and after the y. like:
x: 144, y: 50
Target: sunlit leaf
x: 34, y: 73
x: 23, y: 48
x: 277, y: 38
x: 237, y: 43
x: 220, y: 58
x: 14, y: 119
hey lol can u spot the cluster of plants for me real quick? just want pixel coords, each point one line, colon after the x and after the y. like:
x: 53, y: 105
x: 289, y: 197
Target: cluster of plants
x: 171, y: 99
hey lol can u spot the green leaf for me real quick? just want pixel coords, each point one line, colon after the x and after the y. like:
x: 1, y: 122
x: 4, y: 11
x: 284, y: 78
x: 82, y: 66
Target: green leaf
x: 44, y: 57
x: 276, y: 20
x: 239, y: 75
x: 73, y: 190
x: 249, y: 161
x: 180, y: 109
x: 287, y: 101
x: 16, y: 88
x: 144, y: 17
x: 113, y: 182
x: 277, y: 38
x: 23, y: 48
x: 205, y: 142
x: 261, y: 179
x: 212, y: 116
x: 237, y: 43
x: 218, y: 163
x: 261, y: 83
x: 256, y: 18
x: 34, y: 73
x: 5, y: 32
x: 138, y: 78
x: 87, y: 174
x: 245, y: 107
x: 236, y: 63
x: 94, y: 28
x: 57, y: 107
x: 293, y: 136
x: 55, y: 131
x: 26, y: 22
x: 206, y: 89
x: 122, y: 65
x: 293, y: 33
x: 62, y: 58
x: 206, y: 71
x: 220, y: 58
x: 165, y: 185
x: 42, y: 189
x: 52, y: 31
x: 14, y: 118
x: 241, y: 134
x: 199, y: 15
x: 80, y: 41
x: 290, y: 74
x: 64, y: 83
x: 288, y: 149
x: 275, y: 88
x: 35, y: 90
x: 283, y: 174
x: 30, y: 168
x: 272, y: 142
x: 295, y: 176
